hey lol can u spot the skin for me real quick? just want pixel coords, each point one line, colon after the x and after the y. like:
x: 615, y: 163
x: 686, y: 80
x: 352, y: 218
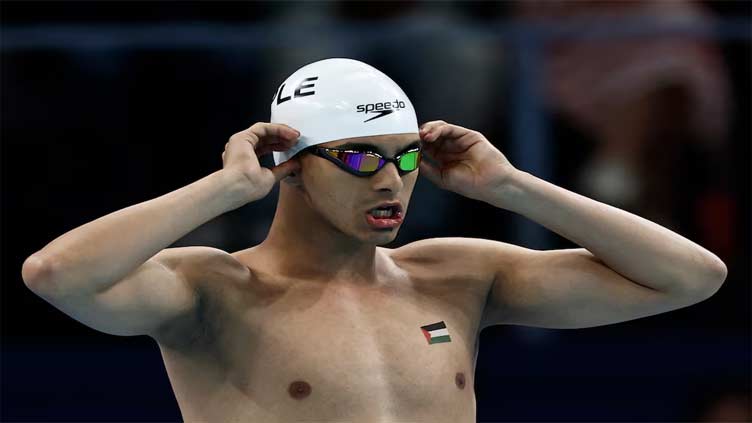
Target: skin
x: 320, y: 321
x: 320, y: 220
x: 336, y: 336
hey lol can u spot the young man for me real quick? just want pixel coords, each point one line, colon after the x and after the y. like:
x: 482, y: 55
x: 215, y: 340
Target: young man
x: 318, y: 322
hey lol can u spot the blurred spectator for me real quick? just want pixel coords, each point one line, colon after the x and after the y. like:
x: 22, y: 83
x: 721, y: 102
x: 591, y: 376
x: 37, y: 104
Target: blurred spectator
x: 647, y: 102
x: 731, y: 407
x: 720, y: 401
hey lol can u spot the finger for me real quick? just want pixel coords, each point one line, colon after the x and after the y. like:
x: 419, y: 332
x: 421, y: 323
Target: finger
x: 274, y: 131
x: 282, y: 141
x: 294, y: 133
x: 262, y: 132
x: 429, y: 126
x: 284, y: 170
x: 265, y: 148
x: 237, y: 149
x: 432, y: 123
x: 251, y: 135
x: 434, y: 132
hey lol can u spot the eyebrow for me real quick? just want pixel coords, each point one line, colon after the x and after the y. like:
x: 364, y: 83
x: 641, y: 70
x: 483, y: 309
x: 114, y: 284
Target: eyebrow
x: 371, y: 147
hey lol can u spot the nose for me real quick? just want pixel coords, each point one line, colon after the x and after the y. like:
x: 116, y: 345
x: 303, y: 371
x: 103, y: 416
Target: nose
x: 387, y: 179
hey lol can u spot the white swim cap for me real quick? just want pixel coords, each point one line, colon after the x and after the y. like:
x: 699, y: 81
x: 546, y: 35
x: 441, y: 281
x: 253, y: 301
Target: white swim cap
x: 340, y: 98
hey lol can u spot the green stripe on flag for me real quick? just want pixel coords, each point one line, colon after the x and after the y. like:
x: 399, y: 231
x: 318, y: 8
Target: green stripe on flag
x: 438, y: 339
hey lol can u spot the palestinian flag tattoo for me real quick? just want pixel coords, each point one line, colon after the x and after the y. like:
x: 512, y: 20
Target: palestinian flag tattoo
x: 436, y: 333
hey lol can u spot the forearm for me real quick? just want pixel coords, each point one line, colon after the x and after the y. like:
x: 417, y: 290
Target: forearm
x: 636, y: 248
x: 97, y: 254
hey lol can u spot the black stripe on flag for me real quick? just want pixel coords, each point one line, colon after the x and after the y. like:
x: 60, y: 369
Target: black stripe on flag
x: 434, y: 326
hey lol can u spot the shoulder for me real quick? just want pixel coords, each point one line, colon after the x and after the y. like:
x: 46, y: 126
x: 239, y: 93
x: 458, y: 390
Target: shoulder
x: 457, y: 248
x: 208, y: 272
x: 197, y: 264
x: 476, y: 255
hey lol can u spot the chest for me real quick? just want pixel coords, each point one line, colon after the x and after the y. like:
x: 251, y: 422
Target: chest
x: 401, y: 349
x: 406, y: 345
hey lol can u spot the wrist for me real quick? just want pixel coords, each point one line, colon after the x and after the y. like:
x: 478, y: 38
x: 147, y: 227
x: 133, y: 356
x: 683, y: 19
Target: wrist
x: 237, y: 188
x: 510, y: 194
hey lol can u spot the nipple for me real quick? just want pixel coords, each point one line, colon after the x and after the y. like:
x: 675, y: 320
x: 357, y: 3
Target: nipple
x: 299, y: 389
x: 459, y: 380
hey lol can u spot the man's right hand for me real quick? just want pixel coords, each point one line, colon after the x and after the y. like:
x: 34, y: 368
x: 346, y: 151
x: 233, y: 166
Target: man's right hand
x: 245, y: 147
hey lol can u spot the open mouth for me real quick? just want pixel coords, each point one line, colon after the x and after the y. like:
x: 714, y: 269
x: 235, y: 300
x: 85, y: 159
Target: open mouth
x: 386, y: 218
x: 386, y: 212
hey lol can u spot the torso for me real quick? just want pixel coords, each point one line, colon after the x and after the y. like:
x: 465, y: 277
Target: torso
x: 270, y: 348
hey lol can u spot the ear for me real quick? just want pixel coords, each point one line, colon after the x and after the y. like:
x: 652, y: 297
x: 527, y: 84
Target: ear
x: 294, y: 178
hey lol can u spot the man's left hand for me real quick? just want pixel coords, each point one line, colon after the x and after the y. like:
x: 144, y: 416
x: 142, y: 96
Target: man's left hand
x: 466, y: 162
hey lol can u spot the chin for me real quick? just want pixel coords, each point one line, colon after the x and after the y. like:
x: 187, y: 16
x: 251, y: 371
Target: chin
x: 378, y: 237
x: 384, y: 238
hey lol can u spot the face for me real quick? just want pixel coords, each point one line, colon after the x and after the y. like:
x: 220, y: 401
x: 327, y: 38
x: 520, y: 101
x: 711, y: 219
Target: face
x: 346, y: 200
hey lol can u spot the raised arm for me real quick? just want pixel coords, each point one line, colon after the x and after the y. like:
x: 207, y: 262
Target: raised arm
x: 557, y: 289
x: 568, y: 289
x: 629, y: 267
x: 156, y: 298
x: 114, y: 273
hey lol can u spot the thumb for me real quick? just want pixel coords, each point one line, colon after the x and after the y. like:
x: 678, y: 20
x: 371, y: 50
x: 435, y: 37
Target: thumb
x: 284, y: 170
x: 431, y: 172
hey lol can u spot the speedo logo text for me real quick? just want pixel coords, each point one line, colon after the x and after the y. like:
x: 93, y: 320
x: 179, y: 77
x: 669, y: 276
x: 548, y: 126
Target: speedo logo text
x: 381, y: 109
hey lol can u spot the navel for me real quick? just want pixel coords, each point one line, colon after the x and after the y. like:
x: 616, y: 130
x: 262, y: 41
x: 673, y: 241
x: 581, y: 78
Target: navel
x: 459, y: 380
x: 299, y: 389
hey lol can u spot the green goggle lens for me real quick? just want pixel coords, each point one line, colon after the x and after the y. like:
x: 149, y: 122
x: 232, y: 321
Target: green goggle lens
x: 409, y: 161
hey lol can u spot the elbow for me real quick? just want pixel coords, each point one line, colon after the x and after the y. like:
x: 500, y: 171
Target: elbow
x: 713, y: 277
x: 718, y: 274
x: 719, y: 270
x: 36, y: 273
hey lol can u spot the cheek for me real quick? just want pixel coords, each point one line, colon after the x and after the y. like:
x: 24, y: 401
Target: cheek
x: 331, y: 192
x: 409, y: 180
x: 316, y: 179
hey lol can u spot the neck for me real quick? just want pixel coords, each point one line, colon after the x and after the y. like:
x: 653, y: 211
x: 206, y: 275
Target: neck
x: 306, y: 245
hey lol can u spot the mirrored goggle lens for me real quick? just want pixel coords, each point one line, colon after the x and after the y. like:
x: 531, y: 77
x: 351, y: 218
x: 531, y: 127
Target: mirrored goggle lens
x: 409, y: 161
x: 362, y: 162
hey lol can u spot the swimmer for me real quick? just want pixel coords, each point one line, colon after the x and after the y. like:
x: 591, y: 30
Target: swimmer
x: 319, y: 321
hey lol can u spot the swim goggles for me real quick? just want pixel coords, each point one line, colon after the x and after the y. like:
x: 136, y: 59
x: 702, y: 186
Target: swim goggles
x: 367, y: 163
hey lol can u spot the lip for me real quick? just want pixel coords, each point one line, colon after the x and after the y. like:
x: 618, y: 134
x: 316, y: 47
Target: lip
x: 390, y: 223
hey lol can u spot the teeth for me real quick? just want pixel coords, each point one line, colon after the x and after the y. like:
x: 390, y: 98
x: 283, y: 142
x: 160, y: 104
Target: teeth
x: 382, y: 213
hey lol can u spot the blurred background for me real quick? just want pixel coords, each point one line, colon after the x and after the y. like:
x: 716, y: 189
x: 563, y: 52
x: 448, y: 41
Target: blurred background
x: 641, y: 105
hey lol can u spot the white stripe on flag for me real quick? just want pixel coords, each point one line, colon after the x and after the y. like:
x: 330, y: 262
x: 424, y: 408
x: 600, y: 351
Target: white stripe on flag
x: 438, y: 332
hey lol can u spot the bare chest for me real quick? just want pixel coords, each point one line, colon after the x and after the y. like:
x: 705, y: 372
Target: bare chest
x: 338, y: 351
